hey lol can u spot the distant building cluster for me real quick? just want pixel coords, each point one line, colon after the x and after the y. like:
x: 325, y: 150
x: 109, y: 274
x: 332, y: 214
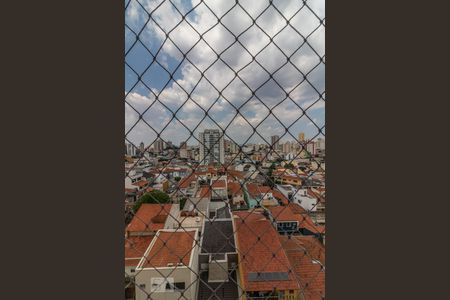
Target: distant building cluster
x: 242, y: 222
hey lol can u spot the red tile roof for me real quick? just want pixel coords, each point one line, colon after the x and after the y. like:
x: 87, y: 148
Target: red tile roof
x: 277, y: 194
x: 218, y: 184
x: 235, y: 174
x: 297, y: 209
x: 149, y: 217
x: 135, y: 247
x: 128, y: 190
x: 294, y: 212
x: 170, y: 247
x: 204, y: 192
x: 235, y: 188
x: 260, y: 251
x: 309, y: 274
x: 186, y: 181
x: 255, y: 190
x: 282, y: 213
x: 141, y: 183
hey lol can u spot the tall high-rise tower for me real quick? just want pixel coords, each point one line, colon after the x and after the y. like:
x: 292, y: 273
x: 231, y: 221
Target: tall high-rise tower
x: 212, y: 149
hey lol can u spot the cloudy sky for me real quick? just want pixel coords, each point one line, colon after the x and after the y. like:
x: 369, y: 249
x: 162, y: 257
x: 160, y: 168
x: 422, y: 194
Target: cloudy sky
x: 228, y: 98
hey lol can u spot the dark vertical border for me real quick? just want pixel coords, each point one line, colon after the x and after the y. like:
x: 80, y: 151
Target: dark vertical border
x: 386, y: 79
x: 63, y: 143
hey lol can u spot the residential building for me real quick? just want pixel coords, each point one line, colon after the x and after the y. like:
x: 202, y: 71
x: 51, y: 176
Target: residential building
x: 307, y: 258
x: 275, y: 142
x: 301, y: 137
x: 300, y: 196
x: 218, y: 259
x: 169, y: 267
x: 152, y: 217
x: 159, y: 145
x: 264, y: 268
x: 131, y: 150
x: 212, y: 149
x: 183, y: 150
x: 135, y: 247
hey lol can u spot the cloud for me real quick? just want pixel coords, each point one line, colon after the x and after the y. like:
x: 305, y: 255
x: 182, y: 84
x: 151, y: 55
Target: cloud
x: 206, y: 83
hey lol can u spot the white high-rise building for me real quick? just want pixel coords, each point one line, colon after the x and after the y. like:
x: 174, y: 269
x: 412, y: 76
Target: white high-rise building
x: 131, y: 149
x: 212, y: 148
x: 159, y: 146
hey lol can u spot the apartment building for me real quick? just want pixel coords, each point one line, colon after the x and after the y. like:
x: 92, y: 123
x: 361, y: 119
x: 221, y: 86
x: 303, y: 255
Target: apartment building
x: 212, y: 149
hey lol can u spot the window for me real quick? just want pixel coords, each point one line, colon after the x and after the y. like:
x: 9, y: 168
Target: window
x: 179, y: 286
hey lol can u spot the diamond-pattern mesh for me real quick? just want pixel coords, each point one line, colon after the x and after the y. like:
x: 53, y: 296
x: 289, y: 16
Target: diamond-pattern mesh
x: 237, y: 210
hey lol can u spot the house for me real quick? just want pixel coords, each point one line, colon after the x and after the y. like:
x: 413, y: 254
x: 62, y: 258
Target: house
x: 187, y: 186
x: 135, y: 247
x: 200, y: 201
x: 302, y: 197
x: 152, y: 217
x: 235, y: 193
x: 219, y: 191
x: 307, y: 258
x: 292, y: 179
x: 190, y: 220
x: 263, y: 264
x: 169, y: 267
x: 295, y: 219
x: 260, y: 195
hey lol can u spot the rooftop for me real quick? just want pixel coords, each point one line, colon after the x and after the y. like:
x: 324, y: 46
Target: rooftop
x: 218, y: 237
x: 186, y: 181
x: 223, y: 213
x: 141, y: 183
x: 221, y: 183
x: 170, y: 247
x: 307, y: 267
x: 135, y: 247
x: 149, y: 217
x: 282, y: 214
x: 235, y: 188
x: 255, y: 190
x: 218, y: 290
x: 260, y: 251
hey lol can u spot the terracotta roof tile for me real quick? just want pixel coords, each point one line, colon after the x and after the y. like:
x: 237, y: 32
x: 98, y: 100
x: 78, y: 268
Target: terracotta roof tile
x: 235, y: 188
x: 260, y: 251
x: 170, y: 247
x: 277, y: 194
x: 307, y: 268
x: 135, y: 247
x: 186, y: 181
x: 218, y: 184
x: 282, y: 213
x: 149, y: 217
x: 141, y: 183
x: 255, y: 190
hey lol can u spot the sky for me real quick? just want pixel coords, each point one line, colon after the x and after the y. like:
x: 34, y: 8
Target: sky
x: 228, y: 99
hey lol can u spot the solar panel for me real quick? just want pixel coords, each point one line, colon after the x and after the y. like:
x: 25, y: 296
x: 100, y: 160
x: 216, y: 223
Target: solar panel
x: 268, y: 276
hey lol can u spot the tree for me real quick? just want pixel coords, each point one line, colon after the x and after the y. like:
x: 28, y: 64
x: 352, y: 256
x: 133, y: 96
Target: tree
x: 178, y: 178
x: 154, y: 196
x: 182, y: 202
x: 270, y: 180
x: 289, y: 166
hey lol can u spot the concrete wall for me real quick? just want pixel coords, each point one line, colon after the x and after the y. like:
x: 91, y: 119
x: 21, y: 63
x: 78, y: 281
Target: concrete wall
x: 181, y: 274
